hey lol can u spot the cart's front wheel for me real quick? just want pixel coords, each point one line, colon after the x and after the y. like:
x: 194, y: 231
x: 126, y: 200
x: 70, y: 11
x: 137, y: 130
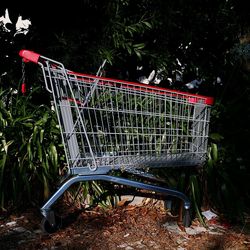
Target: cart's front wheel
x: 48, y: 228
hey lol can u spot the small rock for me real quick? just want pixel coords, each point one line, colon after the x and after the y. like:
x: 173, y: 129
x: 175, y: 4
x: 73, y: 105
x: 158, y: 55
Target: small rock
x: 156, y: 247
x: 129, y: 248
x: 38, y: 231
x: 106, y: 233
x: 151, y: 243
x: 216, y: 230
x: 181, y: 241
x: 123, y: 245
x: 172, y: 227
x: 21, y: 242
x: 195, y: 230
x: 54, y: 247
x: 141, y: 246
x: 11, y: 223
x: 136, y: 243
x: 20, y: 218
x: 19, y: 230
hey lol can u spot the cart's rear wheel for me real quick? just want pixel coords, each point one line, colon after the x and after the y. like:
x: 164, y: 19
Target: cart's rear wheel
x: 48, y: 228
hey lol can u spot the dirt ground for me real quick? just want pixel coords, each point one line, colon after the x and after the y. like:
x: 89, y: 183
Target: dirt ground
x: 126, y: 227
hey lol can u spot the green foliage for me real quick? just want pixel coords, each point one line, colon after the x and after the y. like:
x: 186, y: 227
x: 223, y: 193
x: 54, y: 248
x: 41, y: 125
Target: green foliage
x: 186, y: 180
x: 221, y: 191
x: 196, y: 191
x: 30, y: 150
x: 92, y: 194
x: 111, y: 30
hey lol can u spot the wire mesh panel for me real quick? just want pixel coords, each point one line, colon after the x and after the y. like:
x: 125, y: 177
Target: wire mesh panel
x: 118, y: 124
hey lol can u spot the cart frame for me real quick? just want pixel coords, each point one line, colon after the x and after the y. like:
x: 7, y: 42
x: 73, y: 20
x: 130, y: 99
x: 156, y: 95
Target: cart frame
x: 111, y: 125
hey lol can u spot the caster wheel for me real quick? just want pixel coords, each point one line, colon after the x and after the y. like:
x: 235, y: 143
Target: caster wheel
x: 48, y: 228
x: 186, y: 220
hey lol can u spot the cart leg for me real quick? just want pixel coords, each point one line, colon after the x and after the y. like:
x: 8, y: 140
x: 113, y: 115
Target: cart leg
x: 49, y: 216
x: 186, y: 220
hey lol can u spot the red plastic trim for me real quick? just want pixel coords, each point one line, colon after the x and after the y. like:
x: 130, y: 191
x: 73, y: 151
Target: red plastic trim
x: 29, y: 56
x: 193, y: 98
x: 23, y: 88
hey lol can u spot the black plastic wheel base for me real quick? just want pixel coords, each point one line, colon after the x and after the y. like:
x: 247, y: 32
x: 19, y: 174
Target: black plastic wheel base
x: 48, y: 228
x: 186, y: 220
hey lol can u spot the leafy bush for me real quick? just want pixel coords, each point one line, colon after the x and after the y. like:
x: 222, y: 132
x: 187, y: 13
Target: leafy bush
x: 29, y: 148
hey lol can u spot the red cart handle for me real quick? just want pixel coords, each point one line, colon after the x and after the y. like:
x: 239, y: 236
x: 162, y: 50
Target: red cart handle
x: 29, y: 56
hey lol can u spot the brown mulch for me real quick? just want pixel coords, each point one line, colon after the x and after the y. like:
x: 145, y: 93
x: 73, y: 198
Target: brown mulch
x: 126, y: 227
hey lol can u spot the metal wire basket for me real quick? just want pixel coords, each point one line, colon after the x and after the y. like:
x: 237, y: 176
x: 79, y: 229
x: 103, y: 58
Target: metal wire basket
x: 108, y: 124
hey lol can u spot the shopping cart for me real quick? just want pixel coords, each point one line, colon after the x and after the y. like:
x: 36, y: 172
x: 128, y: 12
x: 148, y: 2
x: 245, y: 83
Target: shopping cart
x: 110, y: 125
